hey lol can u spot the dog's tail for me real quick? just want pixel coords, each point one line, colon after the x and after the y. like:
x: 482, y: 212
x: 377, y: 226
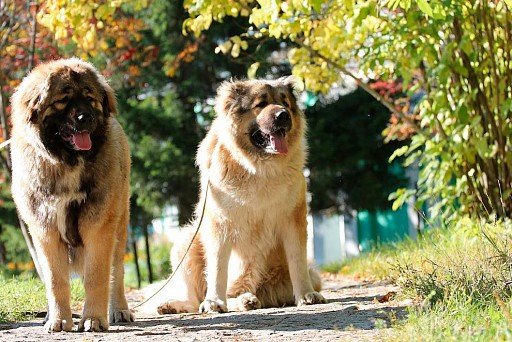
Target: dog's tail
x: 154, y: 299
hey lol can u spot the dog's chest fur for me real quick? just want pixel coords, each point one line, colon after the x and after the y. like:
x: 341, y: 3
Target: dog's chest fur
x: 57, y: 199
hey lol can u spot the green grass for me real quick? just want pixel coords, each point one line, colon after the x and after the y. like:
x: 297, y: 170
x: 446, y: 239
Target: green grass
x: 379, y: 264
x: 459, y: 277
x: 21, y: 297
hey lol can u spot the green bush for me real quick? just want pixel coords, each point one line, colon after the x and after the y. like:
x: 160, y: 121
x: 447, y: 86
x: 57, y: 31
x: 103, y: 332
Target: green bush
x: 160, y: 263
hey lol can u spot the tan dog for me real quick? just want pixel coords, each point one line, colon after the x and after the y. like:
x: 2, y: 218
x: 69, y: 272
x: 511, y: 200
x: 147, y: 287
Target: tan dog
x: 255, y: 213
x: 70, y: 182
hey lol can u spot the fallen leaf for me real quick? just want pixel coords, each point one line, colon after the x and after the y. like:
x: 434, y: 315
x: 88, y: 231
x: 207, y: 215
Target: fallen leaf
x: 387, y: 297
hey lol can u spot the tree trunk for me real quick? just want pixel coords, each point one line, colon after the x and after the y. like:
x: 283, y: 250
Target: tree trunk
x: 136, y: 257
x: 3, y: 251
x: 148, y: 254
x: 185, y: 210
x: 33, y: 12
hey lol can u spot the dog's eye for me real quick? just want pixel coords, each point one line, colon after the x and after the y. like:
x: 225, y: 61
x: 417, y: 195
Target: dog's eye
x: 261, y: 104
x: 90, y: 98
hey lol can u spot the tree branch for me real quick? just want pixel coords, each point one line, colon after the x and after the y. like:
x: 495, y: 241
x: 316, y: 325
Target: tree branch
x: 363, y: 86
x: 33, y: 9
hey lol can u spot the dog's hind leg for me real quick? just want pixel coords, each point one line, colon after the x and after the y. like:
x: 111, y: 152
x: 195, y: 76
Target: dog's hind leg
x: 241, y: 293
x: 188, y: 287
x: 277, y: 290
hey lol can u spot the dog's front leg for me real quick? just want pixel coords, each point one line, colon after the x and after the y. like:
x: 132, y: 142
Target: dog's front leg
x: 53, y: 255
x: 119, y: 311
x: 217, y: 252
x: 98, y: 246
x: 295, y: 246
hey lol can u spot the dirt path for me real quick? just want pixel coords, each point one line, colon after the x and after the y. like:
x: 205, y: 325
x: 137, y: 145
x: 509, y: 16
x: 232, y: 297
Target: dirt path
x: 353, y: 313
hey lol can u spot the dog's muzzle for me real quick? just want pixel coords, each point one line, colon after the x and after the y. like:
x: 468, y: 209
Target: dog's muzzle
x: 269, y: 133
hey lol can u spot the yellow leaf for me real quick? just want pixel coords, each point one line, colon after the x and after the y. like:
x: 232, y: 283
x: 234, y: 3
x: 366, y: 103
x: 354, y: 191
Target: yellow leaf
x: 103, y: 45
x: 11, y: 50
x: 235, y: 51
x: 251, y: 72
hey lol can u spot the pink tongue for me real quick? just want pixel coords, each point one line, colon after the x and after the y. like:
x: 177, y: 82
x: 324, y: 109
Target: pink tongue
x: 82, y: 141
x: 279, y: 144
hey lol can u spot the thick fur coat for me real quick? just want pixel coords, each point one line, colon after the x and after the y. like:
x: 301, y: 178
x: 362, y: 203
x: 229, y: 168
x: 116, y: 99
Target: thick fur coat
x: 70, y: 183
x: 252, y: 162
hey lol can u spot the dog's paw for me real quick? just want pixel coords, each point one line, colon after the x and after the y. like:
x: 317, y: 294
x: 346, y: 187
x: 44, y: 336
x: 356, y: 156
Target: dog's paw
x: 247, y: 301
x: 57, y: 324
x: 120, y: 316
x: 311, y: 298
x: 210, y: 306
x: 93, y: 324
x: 175, y: 306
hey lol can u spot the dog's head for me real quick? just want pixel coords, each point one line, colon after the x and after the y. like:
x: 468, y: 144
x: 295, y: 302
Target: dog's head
x: 66, y: 103
x: 262, y: 116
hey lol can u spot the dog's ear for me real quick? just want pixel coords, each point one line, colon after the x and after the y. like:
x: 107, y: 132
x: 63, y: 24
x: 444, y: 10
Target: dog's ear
x: 292, y: 85
x: 109, y: 103
x: 28, y: 97
x: 229, y: 96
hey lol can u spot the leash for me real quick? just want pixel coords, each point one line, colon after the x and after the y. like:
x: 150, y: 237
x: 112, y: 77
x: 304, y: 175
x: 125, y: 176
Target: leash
x: 8, y: 141
x: 186, y: 252
x: 4, y: 144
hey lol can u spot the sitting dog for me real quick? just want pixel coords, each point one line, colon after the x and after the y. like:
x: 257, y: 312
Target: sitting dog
x: 252, y: 162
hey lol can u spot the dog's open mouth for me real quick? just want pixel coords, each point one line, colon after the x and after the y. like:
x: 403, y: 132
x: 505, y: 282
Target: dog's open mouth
x: 80, y: 140
x: 274, y: 142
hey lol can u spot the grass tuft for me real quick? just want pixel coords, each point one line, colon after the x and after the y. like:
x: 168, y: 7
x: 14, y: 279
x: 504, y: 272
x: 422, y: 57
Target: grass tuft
x: 461, y: 278
x: 22, y: 297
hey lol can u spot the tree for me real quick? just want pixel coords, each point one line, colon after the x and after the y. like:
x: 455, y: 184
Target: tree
x: 23, y: 43
x: 348, y: 158
x: 18, y: 37
x: 169, y: 107
x: 457, y: 52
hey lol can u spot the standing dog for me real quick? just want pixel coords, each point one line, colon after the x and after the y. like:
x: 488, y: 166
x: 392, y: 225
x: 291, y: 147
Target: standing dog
x: 252, y: 161
x: 70, y: 183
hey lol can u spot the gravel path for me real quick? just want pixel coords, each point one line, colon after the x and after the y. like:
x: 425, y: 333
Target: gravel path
x: 353, y: 313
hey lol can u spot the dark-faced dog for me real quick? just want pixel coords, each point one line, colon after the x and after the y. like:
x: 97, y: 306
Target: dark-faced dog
x: 70, y: 183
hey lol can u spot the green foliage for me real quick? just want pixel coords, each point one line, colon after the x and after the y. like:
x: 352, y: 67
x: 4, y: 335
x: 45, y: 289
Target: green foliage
x: 463, y: 283
x: 160, y: 263
x: 347, y: 154
x: 168, y: 109
x: 457, y: 51
x: 15, y: 247
x: 156, y: 158
x: 12, y: 244
x: 333, y: 267
x: 92, y: 26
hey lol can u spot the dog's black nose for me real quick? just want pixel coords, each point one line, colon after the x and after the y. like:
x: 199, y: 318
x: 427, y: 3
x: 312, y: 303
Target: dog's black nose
x: 283, y: 119
x: 84, y: 119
